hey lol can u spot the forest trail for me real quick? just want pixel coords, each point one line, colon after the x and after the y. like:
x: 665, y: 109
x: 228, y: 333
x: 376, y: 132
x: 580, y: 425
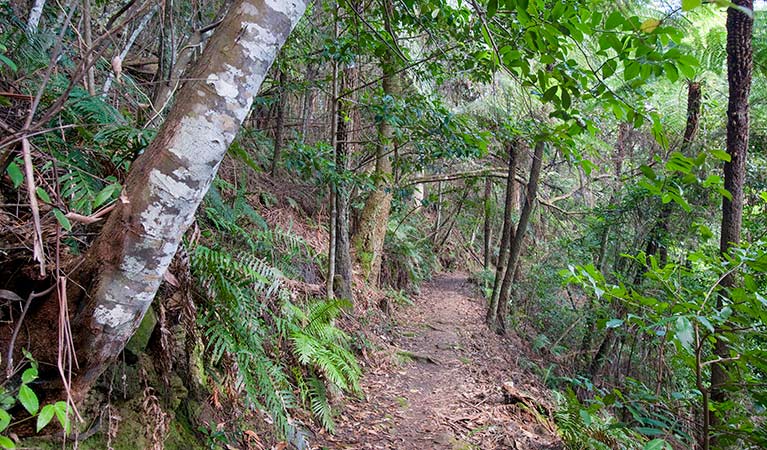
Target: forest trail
x: 441, y: 387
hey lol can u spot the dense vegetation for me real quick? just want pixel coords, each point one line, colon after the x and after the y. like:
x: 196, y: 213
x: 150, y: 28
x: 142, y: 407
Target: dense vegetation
x: 236, y: 192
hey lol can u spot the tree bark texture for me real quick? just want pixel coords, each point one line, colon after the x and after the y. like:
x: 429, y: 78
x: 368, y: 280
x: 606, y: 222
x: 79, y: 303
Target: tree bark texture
x: 34, y: 16
x: 369, y: 240
x: 488, y: 225
x: 166, y: 184
x: 518, y: 237
x: 345, y: 123
x: 279, y: 130
x: 739, y: 72
x: 506, y: 232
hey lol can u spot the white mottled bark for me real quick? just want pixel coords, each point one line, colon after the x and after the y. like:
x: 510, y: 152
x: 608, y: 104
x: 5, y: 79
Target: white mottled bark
x: 167, y: 183
x: 34, y: 16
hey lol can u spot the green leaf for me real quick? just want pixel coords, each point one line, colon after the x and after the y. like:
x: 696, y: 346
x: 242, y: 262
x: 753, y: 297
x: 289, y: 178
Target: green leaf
x: 614, y: 323
x: 28, y: 399
x: 43, y: 195
x: 106, y: 194
x: 62, y: 219
x: 6, y: 442
x: 721, y: 155
x: 62, y: 414
x: 45, y: 416
x: 684, y: 332
x: 5, y: 419
x: 29, y: 375
x: 648, y: 172
x: 689, y: 5
x: 657, y: 444
x: 14, y: 172
x: 616, y: 19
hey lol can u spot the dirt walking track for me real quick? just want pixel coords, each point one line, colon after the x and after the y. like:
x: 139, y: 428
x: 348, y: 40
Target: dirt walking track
x: 439, y: 386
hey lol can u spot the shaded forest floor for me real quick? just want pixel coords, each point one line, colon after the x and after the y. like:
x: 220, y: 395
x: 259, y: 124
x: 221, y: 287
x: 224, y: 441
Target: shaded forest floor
x: 446, y: 382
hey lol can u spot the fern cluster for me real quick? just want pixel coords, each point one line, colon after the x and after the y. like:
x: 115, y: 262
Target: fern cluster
x: 582, y: 428
x: 250, y: 321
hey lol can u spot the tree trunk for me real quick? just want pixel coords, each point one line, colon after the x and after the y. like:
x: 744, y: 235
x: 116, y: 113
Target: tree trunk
x: 369, y: 240
x: 506, y: 231
x: 124, y: 267
x: 345, y: 123
x: 34, y: 16
x: 333, y: 219
x: 90, y: 78
x: 518, y: 237
x: 118, y: 60
x: 739, y: 72
x: 279, y: 129
x: 488, y: 225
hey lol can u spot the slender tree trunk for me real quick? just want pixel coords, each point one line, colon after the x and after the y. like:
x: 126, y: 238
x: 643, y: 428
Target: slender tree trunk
x: 118, y: 60
x: 345, y: 123
x: 90, y: 78
x: 124, y: 267
x: 506, y: 232
x: 333, y: 219
x: 279, y: 130
x: 739, y: 72
x: 34, y: 16
x: 488, y: 225
x: 518, y: 237
x: 369, y: 240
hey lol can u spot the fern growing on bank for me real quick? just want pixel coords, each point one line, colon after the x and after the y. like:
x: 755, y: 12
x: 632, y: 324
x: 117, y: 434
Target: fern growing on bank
x: 249, y: 321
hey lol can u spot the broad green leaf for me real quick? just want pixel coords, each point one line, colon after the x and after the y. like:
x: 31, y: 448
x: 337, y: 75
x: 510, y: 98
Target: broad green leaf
x: 721, y: 155
x: 43, y: 195
x: 62, y: 414
x: 15, y: 174
x: 5, y: 419
x: 62, y: 219
x: 684, y: 332
x: 657, y: 444
x: 614, y: 323
x: 28, y: 399
x: 29, y: 375
x: 6, y: 442
x: 689, y: 5
x: 45, y: 416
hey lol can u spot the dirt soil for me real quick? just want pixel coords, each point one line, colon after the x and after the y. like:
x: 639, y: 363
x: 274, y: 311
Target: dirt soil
x: 446, y: 382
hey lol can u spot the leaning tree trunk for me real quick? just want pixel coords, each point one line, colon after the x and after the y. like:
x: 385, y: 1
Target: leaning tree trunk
x: 506, y: 232
x: 166, y: 184
x: 739, y: 71
x: 344, y: 127
x: 369, y: 240
x: 518, y: 237
x: 488, y: 225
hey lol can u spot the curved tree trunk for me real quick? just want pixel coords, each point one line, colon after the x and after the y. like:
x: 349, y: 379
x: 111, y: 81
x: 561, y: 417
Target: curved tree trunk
x: 487, y: 236
x: 506, y: 232
x: 369, y: 240
x: 739, y: 72
x: 166, y: 184
x: 518, y: 237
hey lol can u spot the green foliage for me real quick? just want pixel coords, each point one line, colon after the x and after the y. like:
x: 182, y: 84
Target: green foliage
x: 408, y: 257
x: 582, y: 427
x: 28, y: 399
x: 245, y: 326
